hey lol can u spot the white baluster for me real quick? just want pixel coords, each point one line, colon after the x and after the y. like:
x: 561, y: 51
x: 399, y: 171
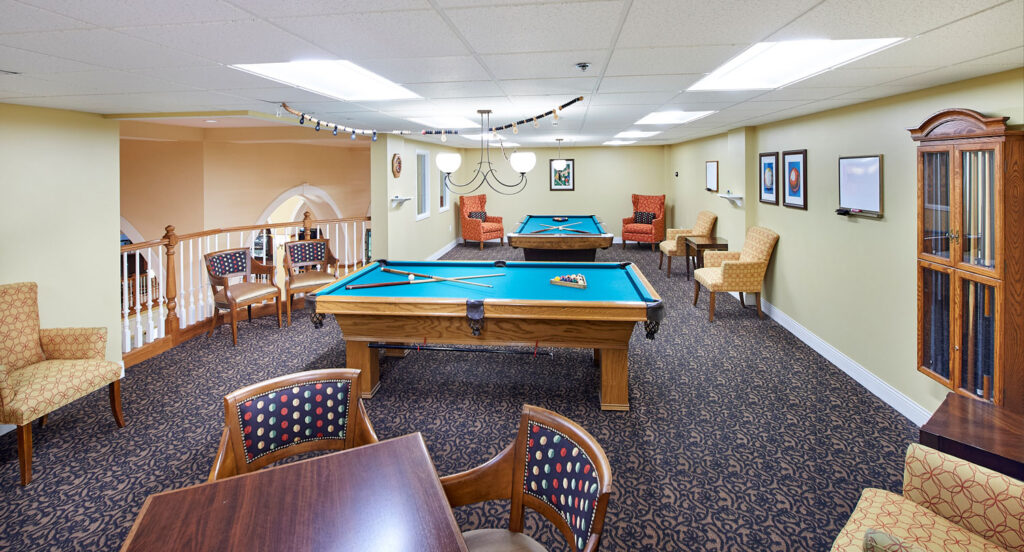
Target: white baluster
x: 344, y: 244
x: 151, y: 330
x: 201, y: 310
x: 182, y: 313
x: 161, y: 297
x: 362, y: 242
x: 138, y: 302
x: 355, y: 251
x: 191, y: 285
x: 126, y: 340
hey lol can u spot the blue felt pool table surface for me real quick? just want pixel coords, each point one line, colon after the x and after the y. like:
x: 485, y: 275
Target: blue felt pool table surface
x: 521, y: 281
x: 585, y: 223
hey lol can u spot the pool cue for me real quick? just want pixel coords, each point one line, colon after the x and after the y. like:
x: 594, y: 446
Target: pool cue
x: 407, y: 282
x: 458, y: 279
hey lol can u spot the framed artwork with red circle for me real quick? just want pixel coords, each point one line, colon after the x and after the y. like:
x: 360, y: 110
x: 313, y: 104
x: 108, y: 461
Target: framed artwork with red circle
x: 794, y: 179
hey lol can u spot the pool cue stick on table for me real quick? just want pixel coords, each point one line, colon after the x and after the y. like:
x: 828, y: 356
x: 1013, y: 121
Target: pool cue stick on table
x: 458, y: 279
x: 425, y: 281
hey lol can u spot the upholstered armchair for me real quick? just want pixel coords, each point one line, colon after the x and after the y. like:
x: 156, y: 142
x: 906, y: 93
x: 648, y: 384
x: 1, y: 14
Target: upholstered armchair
x: 675, y: 238
x: 43, y: 370
x: 741, y: 271
x: 231, y: 263
x: 308, y: 265
x: 947, y: 504
x: 647, y: 225
x: 531, y: 472
x: 476, y: 224
x: 333, y: 418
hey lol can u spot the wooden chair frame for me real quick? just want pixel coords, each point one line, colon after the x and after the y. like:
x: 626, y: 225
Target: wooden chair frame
x: 502, y: 478
x: 291, y: 268
x: 252, y: 266
x: 230, y: 458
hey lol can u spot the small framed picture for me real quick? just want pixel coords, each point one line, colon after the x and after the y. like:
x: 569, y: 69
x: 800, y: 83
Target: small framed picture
x: 794, y: 167
x: 711, y: 176
x: 562, y: 175
x: 769, y: 178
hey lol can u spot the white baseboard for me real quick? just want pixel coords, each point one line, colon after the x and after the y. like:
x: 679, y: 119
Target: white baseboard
x: 889, y: 394
x: 440, y: 252
x: 6, y: 428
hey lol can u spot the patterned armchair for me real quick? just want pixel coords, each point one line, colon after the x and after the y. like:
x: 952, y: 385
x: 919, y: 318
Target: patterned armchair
x: 741, y: 271
x: 675, y: 241
x: 647, y: 224
x: 230, y: 263
x: 554, y: 467
x: 307, y: 266
x: 476, y: 224
x: 43, y: 370
x: 263, y: 423
x: 947, y: 504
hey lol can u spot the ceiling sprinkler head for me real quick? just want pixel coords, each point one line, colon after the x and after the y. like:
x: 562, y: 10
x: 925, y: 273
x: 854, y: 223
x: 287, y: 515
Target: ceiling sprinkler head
x: 583, y: 66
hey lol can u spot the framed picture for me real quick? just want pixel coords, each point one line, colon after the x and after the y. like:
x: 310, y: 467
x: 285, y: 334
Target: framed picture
x: 769, y: 177
x: 794, y: 183
x: 711, y: 176
x: 563, y: 179
x: 860, y: 185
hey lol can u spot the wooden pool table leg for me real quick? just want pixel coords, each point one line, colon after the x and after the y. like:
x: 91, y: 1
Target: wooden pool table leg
x: 597, y: 357
x: 614, y: 379
x: 359, y: 355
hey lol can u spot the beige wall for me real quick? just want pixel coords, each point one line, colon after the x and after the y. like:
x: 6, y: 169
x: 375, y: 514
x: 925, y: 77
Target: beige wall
x: 161, y: 184
x: 59, y: 212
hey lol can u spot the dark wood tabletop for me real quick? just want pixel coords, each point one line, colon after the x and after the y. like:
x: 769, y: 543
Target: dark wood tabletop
x: 698, y: 245
x: 385, y: 496
x: 979, y: 432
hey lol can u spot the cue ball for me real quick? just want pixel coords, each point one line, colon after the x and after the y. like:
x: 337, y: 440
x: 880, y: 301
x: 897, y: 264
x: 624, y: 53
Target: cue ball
x: 411, y: 277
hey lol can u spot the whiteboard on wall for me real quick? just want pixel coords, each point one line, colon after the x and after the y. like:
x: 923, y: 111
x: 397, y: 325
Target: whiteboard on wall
x: 860, y: 184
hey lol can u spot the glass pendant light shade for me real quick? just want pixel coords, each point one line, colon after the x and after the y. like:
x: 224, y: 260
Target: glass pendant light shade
x: 448, y: 162
x: 558, y: 164
x: 522, y: 161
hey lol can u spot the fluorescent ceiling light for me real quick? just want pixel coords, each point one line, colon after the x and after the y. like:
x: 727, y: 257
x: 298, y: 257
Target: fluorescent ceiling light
x: 338, y: 79
x: 490, y: 138
x: 672, y: 117
x: 770, y: 65
x: 637, y: 133
x: 443, y: 121
x: 619, y: 142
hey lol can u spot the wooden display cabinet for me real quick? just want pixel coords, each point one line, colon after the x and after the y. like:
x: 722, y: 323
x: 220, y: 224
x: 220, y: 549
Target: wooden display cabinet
x: 970, y: 255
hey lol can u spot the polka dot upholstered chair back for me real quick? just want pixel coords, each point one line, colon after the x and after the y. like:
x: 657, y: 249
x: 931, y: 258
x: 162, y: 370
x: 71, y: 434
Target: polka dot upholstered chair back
x: 290, y: 415
x: 565, y: 475
x: 306, y: 252
x: 230, y: 262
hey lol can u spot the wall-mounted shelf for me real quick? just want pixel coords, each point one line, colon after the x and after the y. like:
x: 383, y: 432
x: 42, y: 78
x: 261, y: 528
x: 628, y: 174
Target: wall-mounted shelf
x: 397, y: 200
x: 735, y: 198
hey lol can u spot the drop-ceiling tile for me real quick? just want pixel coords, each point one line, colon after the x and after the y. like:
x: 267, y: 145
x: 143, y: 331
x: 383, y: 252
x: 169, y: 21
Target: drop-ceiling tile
x: 278, y: 8
x: 143, y: 12
x: 672, y: 60
x: 102, y: 48
x: 538, y: 27
x: 842, y: 19
x: 804, y: 93
x: 854, y: 76
x: 716, y: 96
x: 111, y: 82
x: 471, y: 89
x: 407, y: 34
x: 276, y: 94
x: 950, y: 74
x: 662, y: 23
x: 20, y: 18
x: 211, y: 77
x: 426, y: 69
x: 648, y: 83
x: 643, y: 98
x: 23, y: 86
x: 33, y: 63
x: 538, y: 87
x: 544, y: 65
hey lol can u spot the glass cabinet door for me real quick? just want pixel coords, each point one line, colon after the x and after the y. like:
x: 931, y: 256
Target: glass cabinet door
x: 977, y: 348
x: 934, y: 324
x: 978, y: 209
x: 935, y: 212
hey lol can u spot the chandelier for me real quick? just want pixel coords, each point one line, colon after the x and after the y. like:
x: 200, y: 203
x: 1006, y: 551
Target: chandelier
x: 521, y: 162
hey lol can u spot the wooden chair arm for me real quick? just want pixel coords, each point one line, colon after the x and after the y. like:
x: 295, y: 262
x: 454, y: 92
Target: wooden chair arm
x: 365, y: 435
x: 270, y: 270
x: 627, y: 220
x: 489, y: 481
x: 224, y: 462
x: 217, y: 281
x: 659, y: 227
x: 74, y: 343
x: 716, y: 258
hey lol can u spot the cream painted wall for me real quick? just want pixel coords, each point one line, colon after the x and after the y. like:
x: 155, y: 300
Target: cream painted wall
x: 59, y: 208
x: 161, y: 184
x: 689, y: 192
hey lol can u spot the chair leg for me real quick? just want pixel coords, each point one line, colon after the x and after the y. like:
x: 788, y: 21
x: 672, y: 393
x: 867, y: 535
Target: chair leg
x: 277, y: 301
x: 623, y: 243
x: 661, y: 257
x: 757, y: 297
x: 481, y: 245
x: 711, y: 307
x: 213, y: 321
x: 743, y: 304
x: 669, y: 275
x: 288, y: 308
x: 234, y: 327
x: 115, y: 402
x: 652, y: 246
x: 696, y: 292
x: 249, y: 308
x: 42, y: 420
x: 25, y: 452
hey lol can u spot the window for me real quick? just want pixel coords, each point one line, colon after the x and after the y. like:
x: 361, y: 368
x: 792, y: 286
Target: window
x: 422, y: 185
x: 443, y: 194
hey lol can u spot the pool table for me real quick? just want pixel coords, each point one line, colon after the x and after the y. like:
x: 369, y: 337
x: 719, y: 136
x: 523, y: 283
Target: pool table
x: 575, y: 239
x: 522, y: 308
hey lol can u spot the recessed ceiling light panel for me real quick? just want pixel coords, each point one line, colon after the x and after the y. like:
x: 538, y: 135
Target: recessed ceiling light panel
x: 672, y: 117
x: 771, y: 65
x: 637, y: 133
x: 619, y: 142
x: 338, y: 79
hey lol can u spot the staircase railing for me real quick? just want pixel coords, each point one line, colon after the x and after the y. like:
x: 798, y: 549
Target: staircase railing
x: 166, y: 297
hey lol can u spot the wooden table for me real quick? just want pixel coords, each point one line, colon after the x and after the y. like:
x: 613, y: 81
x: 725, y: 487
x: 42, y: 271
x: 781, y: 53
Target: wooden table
x: 978, y: 432
x: 385, y: 496
x: 696, y: 245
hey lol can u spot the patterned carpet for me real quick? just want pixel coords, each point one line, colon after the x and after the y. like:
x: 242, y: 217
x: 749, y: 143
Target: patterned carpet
x: 740, y: 437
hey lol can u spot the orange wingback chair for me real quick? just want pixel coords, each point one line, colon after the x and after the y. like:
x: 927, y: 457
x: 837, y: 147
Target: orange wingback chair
x: 641, y: 226
x: 476, y: 224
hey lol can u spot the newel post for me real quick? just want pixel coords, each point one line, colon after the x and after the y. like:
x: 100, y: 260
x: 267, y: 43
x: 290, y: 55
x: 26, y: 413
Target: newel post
x: 171, y: 324
x: 307, y: 224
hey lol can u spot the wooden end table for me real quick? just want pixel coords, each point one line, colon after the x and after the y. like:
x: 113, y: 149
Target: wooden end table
x: 978, y: 432
x: 696, y: 245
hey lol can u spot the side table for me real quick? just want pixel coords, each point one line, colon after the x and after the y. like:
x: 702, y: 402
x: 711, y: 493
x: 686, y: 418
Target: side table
x: 979, y: 432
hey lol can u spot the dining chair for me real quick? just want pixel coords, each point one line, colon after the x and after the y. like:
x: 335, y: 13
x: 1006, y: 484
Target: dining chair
x: 238, y: 262
x: 740, y: 271
x: 290, y: 415
x: 555, y: 468
x: 675, y: 238
x: 308, y: 265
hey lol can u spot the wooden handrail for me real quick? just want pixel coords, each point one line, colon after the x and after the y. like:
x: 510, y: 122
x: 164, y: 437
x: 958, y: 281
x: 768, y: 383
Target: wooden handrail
x: 142, y: 245
x: 258, y: 227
